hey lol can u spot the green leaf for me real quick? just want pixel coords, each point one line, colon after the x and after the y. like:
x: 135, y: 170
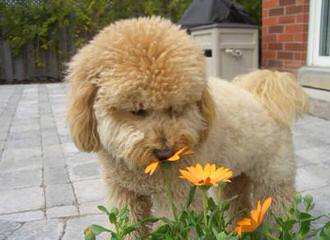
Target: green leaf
x: 190, y: 196
x: 112, y: 218
x: 97, y: 229
x: 308, y: 202
x: 324, y: 233
x: 305, y: 222
x: 114, y: 236
x: 298, y: 198
x: 103, y: 209
x: 130, y: 229
x: 123, y: 213
x: 211, y: 204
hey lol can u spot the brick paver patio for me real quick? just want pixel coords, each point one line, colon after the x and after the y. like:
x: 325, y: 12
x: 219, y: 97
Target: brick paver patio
x: 48, y: 190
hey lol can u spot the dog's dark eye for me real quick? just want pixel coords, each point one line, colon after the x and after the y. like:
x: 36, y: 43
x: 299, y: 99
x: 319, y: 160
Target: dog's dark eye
x: 139, y: 112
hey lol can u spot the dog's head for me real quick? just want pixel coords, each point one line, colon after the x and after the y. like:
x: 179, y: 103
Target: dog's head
x: 138, y: 91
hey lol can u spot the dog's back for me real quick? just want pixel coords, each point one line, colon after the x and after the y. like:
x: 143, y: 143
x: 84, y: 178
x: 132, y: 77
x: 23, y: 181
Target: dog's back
x: 243, y: 128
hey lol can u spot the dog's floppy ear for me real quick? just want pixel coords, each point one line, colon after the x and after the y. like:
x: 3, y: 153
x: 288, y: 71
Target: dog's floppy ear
x: 81, y: 117
x: 207, y: 108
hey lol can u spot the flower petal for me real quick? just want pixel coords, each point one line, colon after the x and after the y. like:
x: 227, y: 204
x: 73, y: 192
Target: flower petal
x: 176, y: 156
x: 187, y: 151
x: 265, y: 206
x: 238, y: 230
x: 188, y: 176
x: 151, y: 168
x: 244, y: 222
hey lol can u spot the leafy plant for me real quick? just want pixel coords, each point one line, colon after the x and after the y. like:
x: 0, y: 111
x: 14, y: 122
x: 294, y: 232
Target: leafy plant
x: 212, y: 222
x: 253, y: 7
x: 40, y: 24
x: 295, y: 224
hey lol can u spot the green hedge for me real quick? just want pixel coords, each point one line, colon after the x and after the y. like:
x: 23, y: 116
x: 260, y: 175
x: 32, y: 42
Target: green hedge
x: 25, y: 21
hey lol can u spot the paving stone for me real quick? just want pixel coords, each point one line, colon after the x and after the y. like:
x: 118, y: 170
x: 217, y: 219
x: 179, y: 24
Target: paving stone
x: 312, y: 177
x: 55, y: 175
x: 24, y: 216
x: 62, y: 130
x: 47, y: 121
x: 45, y: 109
x: 76, y: 226
x: 7, y: 228
x: 29, y: 120
x: 37, y: 121
x: 49, y: 137
x: 79, y: 158
x: 19, y: 154
x: 4, y: 127
x: 90, y: 207
x: 65, y: 138
x: 59, y: 195
x: 303, y: 142
x: 25, y: 199
x: 89, y: 191
x: 25, y: 135
x: 39, y: 230
x: 26, y: 115
x: 320, y: 131
x: 23, y: 143
x: 53, y: 156
x: 24, y: 128
x: 62, y: 211
x: 301, y: 161
x: 3, y: 135
x: 84, y: 172
x: 21, y: 164
x: 315, y: 155
x: 19, y: 179
x: 69, y: 148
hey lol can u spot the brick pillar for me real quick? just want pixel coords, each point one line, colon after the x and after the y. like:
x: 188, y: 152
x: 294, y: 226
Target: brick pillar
x: 284, y: 34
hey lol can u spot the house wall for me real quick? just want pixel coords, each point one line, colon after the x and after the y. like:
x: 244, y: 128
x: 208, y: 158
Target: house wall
x: 284, y: 34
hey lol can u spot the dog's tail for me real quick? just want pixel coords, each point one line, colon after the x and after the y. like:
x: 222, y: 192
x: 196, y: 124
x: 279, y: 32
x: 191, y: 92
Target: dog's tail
x: 279, y: 92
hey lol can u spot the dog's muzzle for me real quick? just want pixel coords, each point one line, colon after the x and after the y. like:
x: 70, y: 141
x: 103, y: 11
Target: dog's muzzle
x: 162, y: 154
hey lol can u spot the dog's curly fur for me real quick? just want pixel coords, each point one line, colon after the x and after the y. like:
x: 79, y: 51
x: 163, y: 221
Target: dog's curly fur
x: 150, y: 64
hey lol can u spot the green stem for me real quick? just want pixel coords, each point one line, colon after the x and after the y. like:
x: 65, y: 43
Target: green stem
x: 168, y: 192
x: 204, y: 199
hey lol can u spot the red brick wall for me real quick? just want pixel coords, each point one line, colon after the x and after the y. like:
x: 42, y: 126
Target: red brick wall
x: 284, y: 34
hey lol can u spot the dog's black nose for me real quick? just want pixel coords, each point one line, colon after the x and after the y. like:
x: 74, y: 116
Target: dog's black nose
x: 163, y: 154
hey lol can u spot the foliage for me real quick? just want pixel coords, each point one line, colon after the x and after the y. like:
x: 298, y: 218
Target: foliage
x: 41, y: 23
x: 253, y: 7
x: 295, y: 224
x: 27, y: 22
x: 214, y: 222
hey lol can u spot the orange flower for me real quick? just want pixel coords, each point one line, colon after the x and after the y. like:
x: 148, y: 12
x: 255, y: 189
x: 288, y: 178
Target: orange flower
x: 207, y: 176
x: 256, y: 216
x: 151, y: 168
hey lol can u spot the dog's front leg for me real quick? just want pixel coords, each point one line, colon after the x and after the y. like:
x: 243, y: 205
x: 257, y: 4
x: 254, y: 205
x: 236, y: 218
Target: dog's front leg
x: 139, y: 205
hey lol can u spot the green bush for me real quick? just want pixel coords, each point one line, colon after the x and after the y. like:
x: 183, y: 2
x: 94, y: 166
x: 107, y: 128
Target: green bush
x: 26, y: 21
x: 253, y: 7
